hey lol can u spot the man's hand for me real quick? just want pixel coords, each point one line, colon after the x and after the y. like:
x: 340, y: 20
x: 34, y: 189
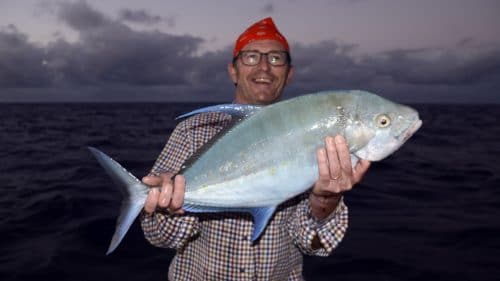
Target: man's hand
x: 336, y: 176
x: 165, y: 193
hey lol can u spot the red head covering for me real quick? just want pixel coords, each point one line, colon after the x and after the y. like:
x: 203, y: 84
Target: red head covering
x: 263, y: 29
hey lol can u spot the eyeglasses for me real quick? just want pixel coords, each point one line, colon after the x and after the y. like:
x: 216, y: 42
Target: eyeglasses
x: 274, y: 58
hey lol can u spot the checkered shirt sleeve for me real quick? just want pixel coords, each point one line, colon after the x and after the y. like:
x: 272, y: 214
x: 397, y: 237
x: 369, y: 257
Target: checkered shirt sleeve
x: 330, y: 231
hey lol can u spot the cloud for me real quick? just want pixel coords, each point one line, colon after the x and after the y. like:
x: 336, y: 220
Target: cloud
x: 80, y: 16
x: 111, y: 52
x: 117, y: 62
x: 20, y: 61
x: 328, y: 63
x: 143, y: 17
x: 459, y: 66
x: 268, y: 8
x: 462, y: 73
x: 107, y: 53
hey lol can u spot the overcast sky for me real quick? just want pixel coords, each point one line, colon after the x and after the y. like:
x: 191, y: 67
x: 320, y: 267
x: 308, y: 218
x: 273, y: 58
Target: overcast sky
x: 124, y: 50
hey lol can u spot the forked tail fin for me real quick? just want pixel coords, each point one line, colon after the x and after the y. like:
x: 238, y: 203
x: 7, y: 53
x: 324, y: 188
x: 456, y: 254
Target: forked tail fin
x: 134, y: 193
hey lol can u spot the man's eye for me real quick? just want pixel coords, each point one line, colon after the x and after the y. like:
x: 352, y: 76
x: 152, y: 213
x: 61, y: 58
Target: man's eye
x: 275, y: 58
x: 252, y: 57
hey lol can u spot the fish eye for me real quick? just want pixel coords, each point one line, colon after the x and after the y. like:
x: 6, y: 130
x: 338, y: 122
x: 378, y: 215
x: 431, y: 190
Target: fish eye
x: 383, y: 121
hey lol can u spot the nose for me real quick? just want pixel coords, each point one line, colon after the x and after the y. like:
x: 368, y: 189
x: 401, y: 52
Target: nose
x: 263, y: 64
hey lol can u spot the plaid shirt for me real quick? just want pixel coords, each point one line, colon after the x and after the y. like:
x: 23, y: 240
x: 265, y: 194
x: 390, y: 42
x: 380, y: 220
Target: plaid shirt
x: 218, y: 246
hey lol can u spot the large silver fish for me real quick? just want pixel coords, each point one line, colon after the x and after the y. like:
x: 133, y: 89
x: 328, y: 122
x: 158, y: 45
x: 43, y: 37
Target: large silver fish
x: 268, y: 156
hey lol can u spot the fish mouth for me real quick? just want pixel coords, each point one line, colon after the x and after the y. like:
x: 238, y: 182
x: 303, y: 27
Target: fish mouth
x: 410, y: 131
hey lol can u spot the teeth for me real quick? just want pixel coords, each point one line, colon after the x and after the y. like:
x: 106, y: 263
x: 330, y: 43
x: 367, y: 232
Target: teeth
x: 265, y: 80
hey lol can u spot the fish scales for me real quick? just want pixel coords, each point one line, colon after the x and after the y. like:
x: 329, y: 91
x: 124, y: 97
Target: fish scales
x: 271, y: 144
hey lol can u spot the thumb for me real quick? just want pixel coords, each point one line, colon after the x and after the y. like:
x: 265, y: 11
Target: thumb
x: 152, y: 180
x: 361, y: 169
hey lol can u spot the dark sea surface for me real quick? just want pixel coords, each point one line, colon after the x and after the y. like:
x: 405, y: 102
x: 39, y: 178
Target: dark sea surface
x: 431, y: 211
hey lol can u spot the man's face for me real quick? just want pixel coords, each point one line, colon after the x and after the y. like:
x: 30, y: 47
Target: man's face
x: 262, y: 83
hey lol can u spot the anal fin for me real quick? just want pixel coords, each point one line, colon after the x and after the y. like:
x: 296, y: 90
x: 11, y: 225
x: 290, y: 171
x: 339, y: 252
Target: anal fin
x: 261, y: 215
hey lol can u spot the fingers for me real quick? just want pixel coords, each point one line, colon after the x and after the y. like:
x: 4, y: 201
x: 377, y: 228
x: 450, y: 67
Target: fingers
x: 338, y: 157
x: 343, y: 156
x: 333, y: 158
x: 152, y: 200
x: 178, y: 195
x: 334, y: 166
x: 323, y: 165
x: 360, y: 169
x: 151, y: 181
x: 165, y: 193
x: 323, y: 186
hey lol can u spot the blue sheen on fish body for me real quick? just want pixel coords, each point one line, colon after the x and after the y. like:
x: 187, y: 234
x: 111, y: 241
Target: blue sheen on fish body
x: 269, y: 155
x: 275, y: 147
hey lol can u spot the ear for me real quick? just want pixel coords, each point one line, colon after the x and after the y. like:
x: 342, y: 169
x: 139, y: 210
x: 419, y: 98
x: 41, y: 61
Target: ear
x: 233, y: 73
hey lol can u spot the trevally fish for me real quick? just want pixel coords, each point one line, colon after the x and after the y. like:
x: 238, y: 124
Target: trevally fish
x: 268, y: 155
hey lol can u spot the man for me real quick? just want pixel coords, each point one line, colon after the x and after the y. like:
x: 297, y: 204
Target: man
x: 218, y: 246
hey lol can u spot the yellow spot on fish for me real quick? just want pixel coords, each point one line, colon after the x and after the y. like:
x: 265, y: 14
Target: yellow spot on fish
x: 272, y: 171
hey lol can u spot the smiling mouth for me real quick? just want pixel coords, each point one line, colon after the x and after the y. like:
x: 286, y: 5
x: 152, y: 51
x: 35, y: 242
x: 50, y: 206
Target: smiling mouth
x: 262, y: 80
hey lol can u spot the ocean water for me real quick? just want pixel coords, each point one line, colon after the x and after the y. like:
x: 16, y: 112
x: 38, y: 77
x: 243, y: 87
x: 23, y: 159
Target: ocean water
x: 431, y: 211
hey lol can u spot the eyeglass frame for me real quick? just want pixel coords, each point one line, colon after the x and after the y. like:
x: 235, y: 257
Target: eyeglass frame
x: 287, y: 62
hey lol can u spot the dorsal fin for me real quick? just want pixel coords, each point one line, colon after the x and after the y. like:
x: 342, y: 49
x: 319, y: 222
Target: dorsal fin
x: 235, y: 110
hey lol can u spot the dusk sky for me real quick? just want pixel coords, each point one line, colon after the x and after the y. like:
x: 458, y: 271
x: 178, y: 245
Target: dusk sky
x: 445, y: 51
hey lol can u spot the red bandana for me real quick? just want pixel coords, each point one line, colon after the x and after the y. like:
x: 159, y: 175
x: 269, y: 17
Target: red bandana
x: 263, y: 29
